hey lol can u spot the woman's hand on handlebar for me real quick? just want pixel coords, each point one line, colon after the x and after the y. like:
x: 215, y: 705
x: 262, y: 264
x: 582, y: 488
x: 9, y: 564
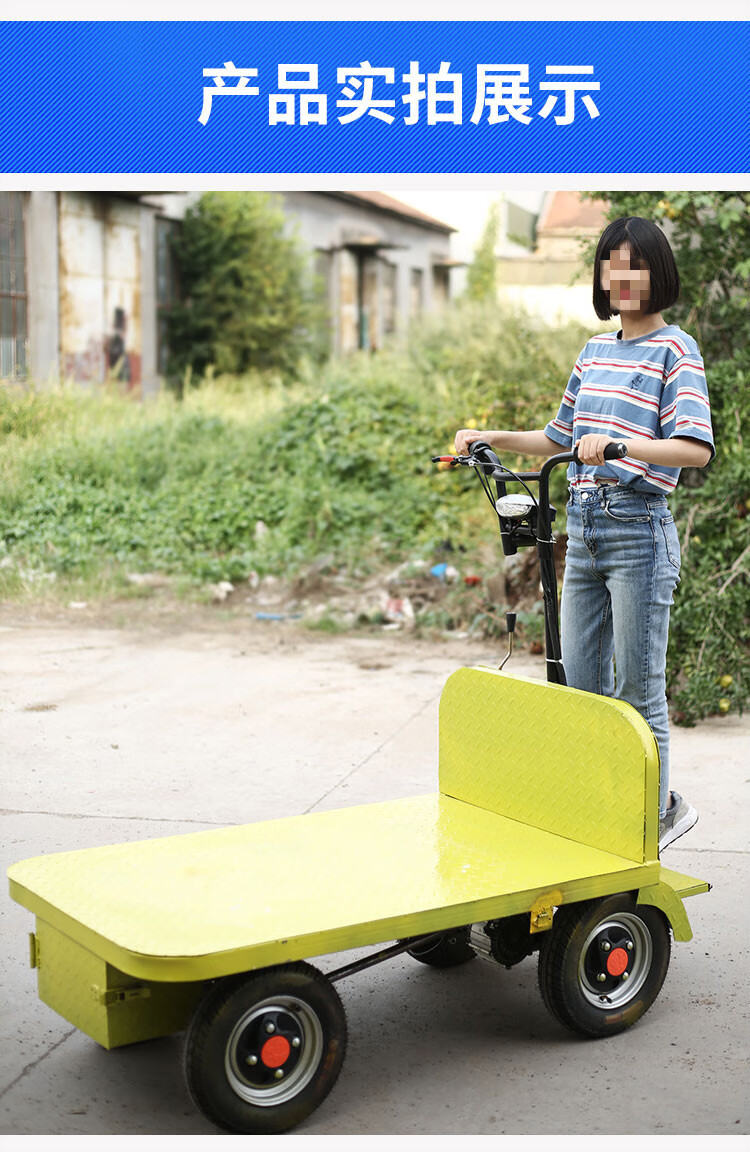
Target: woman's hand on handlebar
x: 591, y: 448
x: 465, y: 437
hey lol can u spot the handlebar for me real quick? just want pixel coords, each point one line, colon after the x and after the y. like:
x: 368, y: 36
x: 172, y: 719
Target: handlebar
x: 485, y: 461
x: 533, y: 526
x: 615, y: 450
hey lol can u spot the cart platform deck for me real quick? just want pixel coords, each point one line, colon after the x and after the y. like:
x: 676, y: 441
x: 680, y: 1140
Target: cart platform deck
x: 552, y: 814
x: 207, y: 904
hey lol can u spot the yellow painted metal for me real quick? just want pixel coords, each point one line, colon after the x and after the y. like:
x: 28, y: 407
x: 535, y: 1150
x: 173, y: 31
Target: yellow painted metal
x: 210, y: 903
x: 582, y: 766
x: 126, y: 934
x: 543, y: 910
x: 668, y: 895
x: 109, y: 1006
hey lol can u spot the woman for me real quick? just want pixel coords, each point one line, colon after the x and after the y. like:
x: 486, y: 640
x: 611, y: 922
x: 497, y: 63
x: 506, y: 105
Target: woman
x: 643, y: 385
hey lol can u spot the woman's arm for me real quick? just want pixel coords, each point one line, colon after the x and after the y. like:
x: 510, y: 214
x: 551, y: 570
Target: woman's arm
x: 526, y: 443
x: 676, y: 452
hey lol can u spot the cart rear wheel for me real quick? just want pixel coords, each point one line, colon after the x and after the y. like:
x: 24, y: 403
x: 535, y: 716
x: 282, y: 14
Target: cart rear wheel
x: 602, y: 964
x: 264, y: 1049
x: 447, y: 951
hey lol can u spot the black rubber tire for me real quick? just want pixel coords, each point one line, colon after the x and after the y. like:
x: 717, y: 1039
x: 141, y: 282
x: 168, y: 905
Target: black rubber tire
x: 216, y: 1073
x: 566, y: 988
x: 450, y: 950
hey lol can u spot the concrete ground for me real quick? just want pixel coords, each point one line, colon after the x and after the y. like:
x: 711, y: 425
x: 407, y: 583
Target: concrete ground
x: 112, y: 735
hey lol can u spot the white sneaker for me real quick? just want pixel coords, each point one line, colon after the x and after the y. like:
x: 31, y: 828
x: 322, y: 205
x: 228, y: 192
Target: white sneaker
x: 678, y: 820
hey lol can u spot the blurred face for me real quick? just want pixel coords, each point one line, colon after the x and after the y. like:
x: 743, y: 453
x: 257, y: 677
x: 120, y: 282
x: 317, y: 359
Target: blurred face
x: 627, y: 280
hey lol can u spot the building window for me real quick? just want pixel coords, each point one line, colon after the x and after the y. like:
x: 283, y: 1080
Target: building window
x: 167, y: 286
x: 440, y: 285
x: 415, y: 292
x: 13, y: 298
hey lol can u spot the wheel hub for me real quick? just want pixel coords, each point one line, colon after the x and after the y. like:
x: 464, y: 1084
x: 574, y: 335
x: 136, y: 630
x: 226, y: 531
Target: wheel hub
x: 273, y: 1051
x: 272, y: 1041
x: 615, y: 961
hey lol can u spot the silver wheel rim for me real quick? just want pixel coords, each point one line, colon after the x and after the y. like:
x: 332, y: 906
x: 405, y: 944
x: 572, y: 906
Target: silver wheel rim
x: 238, y: 1071
x: 630, y: 927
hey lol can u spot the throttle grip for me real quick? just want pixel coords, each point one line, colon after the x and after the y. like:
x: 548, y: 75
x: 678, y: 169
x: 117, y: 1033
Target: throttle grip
x: 614, y: 451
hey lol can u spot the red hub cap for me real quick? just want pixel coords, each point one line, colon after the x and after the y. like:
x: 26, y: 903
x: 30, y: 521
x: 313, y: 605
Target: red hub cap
x: 617, y: 961
x: 275, y: 1052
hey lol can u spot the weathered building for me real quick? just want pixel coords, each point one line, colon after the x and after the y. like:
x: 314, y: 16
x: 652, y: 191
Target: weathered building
x: 382, y: 262
x: 86, y: 278
x: 82, y: 303
x: 550, y: 280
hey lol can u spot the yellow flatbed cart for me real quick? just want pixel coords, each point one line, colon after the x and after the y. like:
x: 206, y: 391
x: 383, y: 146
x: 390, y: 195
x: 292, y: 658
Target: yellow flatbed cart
x: 542, y: 836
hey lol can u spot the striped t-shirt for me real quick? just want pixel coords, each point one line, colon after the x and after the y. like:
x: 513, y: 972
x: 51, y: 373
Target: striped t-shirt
x: 652, y: 386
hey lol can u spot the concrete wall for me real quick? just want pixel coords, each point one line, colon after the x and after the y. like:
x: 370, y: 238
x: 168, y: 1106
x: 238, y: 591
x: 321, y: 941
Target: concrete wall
x: 99, y: 244
x: 150, y: 379
x: 43, y: 285
x: 375, y: 274
x: 91, y: 274
x: 91, y: 264
x: 548, y: 287
x: 363, y: 240
x: 553, y: 304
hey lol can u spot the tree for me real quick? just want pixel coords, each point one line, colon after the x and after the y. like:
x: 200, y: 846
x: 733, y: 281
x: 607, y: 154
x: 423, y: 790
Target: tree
x: 710, y: 235
x: 247, y: 293
x: 481, y: 281
x: 708, y: 666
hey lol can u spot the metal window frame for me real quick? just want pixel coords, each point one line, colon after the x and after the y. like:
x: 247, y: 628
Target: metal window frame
x: 12, y: 294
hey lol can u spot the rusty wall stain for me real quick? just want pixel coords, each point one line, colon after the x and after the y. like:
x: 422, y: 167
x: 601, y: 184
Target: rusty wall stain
x: 100, y: 287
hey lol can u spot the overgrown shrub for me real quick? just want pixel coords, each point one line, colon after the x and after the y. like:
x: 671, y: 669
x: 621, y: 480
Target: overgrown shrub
x: 339, y: 465
x: 708, y: 666
x: 247, y: 294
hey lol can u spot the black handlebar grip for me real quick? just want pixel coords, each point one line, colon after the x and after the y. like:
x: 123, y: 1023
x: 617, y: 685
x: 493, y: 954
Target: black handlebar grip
x: 615, y: 450
x: 488, y: 460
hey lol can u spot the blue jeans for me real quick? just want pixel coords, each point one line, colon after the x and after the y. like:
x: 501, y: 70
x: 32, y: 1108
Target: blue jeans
x: 621, y: 569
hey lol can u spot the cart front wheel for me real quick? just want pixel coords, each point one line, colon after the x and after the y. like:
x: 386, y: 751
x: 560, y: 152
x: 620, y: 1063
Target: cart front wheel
x: 602, y: 964
x: 264, y: 1049
x: 445, y: 951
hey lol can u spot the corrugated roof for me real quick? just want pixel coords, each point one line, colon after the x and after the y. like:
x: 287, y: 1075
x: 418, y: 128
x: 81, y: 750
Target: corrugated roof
x: 393, y: 207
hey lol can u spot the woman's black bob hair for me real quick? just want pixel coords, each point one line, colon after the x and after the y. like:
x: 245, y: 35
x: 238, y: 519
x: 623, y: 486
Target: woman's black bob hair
x: 650, y: 247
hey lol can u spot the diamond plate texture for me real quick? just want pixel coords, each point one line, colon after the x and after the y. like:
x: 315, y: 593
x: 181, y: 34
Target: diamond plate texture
x: 581, y: 766
x: 544, y: 790
x: 210, y: 903
x: 73, y: 981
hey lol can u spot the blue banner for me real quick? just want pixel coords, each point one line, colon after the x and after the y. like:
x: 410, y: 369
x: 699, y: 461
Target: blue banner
x: 379, y: 97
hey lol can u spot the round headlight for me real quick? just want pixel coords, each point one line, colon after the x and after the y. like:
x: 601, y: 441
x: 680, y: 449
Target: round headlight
x: 515, y: 507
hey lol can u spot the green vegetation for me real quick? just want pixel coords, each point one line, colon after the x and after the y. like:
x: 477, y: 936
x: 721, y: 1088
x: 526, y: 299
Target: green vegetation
x: 248, y: 298
x: 481, y: 278
x: 337, y: 465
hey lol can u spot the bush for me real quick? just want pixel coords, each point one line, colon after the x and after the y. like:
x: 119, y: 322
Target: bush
x: 247, y: 296
x: 708, y: 668
x: 337, y: 466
